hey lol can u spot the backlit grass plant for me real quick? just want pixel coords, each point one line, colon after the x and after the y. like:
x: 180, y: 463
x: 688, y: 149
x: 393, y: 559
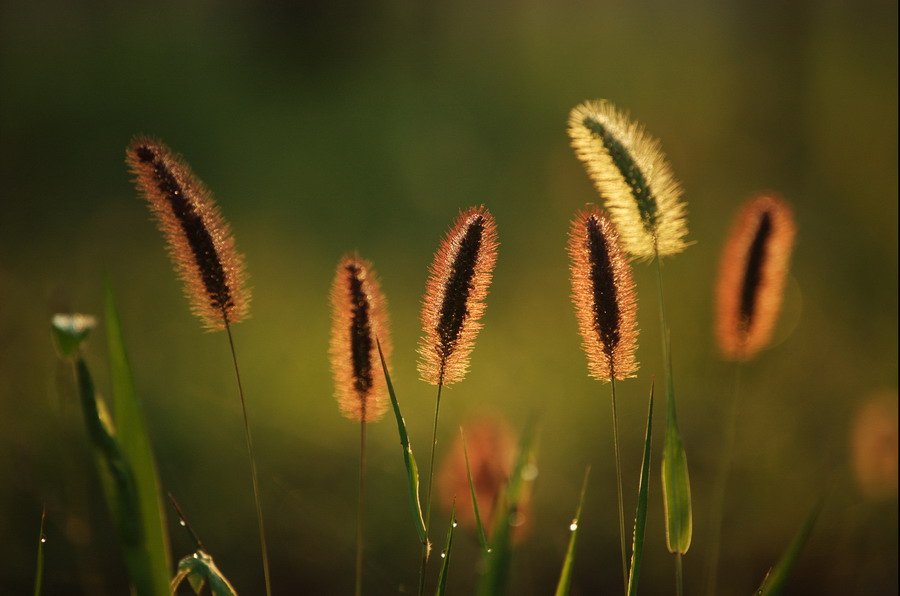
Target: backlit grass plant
x: 643, y: 197
x: 203, y: 251
x: 487, y: 478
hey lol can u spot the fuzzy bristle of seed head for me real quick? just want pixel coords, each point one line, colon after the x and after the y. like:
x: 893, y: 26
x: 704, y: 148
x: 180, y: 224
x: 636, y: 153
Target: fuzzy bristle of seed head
x: 604, y: 296
x: 752, y: 274
x: 199, y: 240
x: 633, y: 177
x: 459, y: 278
x: 359, y: 323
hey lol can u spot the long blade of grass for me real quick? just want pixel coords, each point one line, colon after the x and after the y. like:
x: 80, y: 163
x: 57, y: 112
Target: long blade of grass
x: 777, y: 577
x: 565, y: 577
x: 482, y: 537
x: 676, y: 487
x: 39, y: 572
x: 119, y: 487
x: 445, y: 564
x: 412, y: 470
x: 495, y: 578
x: 640, y: 516
x: 135, y: 442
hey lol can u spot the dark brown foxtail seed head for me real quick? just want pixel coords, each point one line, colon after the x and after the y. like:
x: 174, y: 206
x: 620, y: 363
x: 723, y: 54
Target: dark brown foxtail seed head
x: 604, y: 296
x: 358, y: 318
x: 199, y: 240
x: 454, y: 297
x: 752, y: 273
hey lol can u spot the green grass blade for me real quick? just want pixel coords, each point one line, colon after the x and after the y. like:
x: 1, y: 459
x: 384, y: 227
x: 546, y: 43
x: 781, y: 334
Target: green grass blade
x: 39, y: 572
x: 676, y: 485
x: 565, y: 576
x: 200, y: 570
x: 412, y: 470
x: 495, y: 578
x: 640, y: 516
x: 118, y: 483
x: 482, y: 537
x: 135, y: 442
x: 445, y: 564
x: 777, y: 577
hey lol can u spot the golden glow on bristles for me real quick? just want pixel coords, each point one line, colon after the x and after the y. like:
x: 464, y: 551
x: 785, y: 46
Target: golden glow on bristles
x: 632, y: 176
x: 199, y: 240
x: 604, y: 296
x: 752, y: 273
x: 454, y: 300
x: 491, y: 445
x: 359, y: 316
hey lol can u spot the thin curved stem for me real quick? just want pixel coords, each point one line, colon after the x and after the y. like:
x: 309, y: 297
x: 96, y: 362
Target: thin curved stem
x: 718, y: 501
x: 259, y: 514
x: 426, y: 548
x: 619, y: 482
x: 361, y: 510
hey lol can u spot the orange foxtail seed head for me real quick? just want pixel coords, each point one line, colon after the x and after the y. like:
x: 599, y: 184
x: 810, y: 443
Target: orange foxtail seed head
x: 491, y: 446
x: 359, y: 317
x: 454, y: 297
x: 752, y: 274
x: 604, y: 296
x: 200, y: 242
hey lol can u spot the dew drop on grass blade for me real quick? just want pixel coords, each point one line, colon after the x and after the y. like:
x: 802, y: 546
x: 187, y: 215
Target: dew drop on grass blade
x: 565, y: 577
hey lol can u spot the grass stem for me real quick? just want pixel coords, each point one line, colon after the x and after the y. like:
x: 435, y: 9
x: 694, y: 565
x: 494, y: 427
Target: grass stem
x: 427, y: 546
x: 719, y: 490
x: 619, y: 483
x: 259, y: 514
x: 679, y: 575
x: 361, y: 510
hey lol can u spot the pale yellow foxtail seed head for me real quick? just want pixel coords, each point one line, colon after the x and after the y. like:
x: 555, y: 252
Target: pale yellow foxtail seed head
x: 633, y: 177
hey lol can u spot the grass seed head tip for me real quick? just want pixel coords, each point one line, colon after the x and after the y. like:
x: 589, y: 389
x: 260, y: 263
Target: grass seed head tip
x: 199, y: 239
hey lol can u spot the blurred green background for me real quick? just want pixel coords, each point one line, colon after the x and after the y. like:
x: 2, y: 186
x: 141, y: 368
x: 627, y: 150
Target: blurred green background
x: 324, y: 127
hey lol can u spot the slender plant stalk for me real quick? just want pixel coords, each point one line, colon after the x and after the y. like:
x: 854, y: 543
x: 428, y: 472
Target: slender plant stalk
x: 361, y: 511
x: 718, y: 502
x: 679, y: 579
x: 619, y: 482
x: 259, y: 514
x: 39, y: 571
x: 184, y: 523
x: 670, y: 393
x: 426, y: 548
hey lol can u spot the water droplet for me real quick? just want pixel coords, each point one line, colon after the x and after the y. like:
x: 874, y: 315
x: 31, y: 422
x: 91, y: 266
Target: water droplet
x: 43, y: 540
x: 455, y: 524
x: 490, y: 550
x: 443, y: 555
x: 529, y: 472
x: 182, y: 523
x: 573, y: 526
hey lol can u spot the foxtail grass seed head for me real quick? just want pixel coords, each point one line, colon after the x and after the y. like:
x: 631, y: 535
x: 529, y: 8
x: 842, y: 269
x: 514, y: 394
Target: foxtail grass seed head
x: 873, y: 446
x: 752, y: 273
x: 634, y: 178
x: 604, y: 296
x: 492, y: 446
x: 454, y: 300
x: 359, y: 316
x: 199, y: 240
